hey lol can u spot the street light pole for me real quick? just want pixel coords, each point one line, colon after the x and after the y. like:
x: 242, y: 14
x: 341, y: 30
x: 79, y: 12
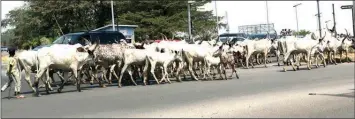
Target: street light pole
x: 113, y: 16
x: 267, y: 20
x: 319, y: 26
x: 215, y: 6
x: 295, y: 6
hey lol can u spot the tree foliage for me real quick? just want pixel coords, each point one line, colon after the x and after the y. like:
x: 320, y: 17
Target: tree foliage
x: 301, y: 32
x: 50, y: 19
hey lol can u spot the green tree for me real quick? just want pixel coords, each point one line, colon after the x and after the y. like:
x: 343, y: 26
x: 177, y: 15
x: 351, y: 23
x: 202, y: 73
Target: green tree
x: 50, y: 19
x: 302, y: 32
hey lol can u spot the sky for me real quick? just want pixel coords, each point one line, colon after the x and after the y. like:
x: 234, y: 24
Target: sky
x: 281, y: 13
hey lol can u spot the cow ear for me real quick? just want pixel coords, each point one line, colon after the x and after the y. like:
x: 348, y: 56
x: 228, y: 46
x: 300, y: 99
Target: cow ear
x: 80, y: 49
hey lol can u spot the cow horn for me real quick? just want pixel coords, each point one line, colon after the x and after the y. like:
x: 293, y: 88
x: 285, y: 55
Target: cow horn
x: 326, y: 25
x: 87, y: 41
x: 346, y: 36
x: 347, y: 33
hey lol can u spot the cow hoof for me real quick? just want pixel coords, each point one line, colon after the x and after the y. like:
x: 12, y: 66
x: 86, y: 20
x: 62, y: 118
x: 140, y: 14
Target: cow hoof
x: 103, y: 86
x: 284, y: 69
x: 37, y: 95
x: 59, y: 90
x: 298, y: 68
x: 309, y: 68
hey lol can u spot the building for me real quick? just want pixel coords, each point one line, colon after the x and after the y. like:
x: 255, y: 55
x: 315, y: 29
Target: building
x: 126, y: 30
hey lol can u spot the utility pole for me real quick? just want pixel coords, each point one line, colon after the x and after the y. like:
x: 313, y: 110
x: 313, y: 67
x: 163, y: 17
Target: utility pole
x: 319, y: 24
x: 189, y: 19
x: 295, y: 6
x: 267, y: 20
x: 334, y: 23
x: 317, y: 19
x: 227, y: 22
x: 227, y: 29
x: 113, y: 17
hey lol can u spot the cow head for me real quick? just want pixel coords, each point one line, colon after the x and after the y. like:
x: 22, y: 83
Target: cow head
x: 139, y: 45
x: 178, y: 56
x: 274, y: 44
x: 353, y: 42
x: 89, y: 48
x: 219, y: 51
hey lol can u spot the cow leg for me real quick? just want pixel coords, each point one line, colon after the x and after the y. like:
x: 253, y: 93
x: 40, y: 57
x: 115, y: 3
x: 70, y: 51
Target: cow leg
x: 317, y: 58
x: 129, y: 70
x: 78, y: 82
x: 28, y: 79
x: 224, y: 71
x: 333, y: 58
x: 121, y: 74
x: 112, y: 71
x: 39, y: 75
x: 114, y: 74
x: 152, y: 68
x: 219, y: 68
x: 252, y: 63
x: 265, y: 59
x: 323, y: 59
x: 277, y: 54
x: 341, y: 56
x: 308, y: 55
x: 286, y: 58
x: 235, y: 71
x: 165, y: 66
x: 189, y: 66
x: 179, y: 66
x: 247, y: 61
x: 257, y: 59
x: 346, y: 56
x: 145, y: 72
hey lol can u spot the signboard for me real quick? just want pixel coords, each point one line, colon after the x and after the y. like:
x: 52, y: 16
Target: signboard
x: 346, y: 7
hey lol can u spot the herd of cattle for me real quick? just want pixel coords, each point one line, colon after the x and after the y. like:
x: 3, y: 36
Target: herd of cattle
x: 173, y: 58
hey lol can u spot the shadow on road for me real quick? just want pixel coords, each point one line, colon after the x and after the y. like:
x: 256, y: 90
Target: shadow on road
x: 301, y: 68
x: 347, y: 95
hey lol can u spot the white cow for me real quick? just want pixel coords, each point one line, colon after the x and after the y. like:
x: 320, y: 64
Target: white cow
x: 304, y: 45
x: 64, y: 57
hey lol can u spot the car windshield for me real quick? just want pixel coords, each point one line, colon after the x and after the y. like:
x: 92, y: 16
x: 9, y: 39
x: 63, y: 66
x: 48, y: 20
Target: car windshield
x: 65, y: 39
x: 59, y: 40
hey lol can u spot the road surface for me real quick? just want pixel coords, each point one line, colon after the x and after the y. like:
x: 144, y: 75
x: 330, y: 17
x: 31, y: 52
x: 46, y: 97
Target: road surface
x: 260, y: 92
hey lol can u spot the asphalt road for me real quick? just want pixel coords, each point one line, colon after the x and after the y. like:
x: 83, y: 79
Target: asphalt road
x: 260, y: 92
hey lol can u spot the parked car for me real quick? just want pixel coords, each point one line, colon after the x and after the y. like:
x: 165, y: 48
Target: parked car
x: 105, y: 37
x: 4, y: 48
